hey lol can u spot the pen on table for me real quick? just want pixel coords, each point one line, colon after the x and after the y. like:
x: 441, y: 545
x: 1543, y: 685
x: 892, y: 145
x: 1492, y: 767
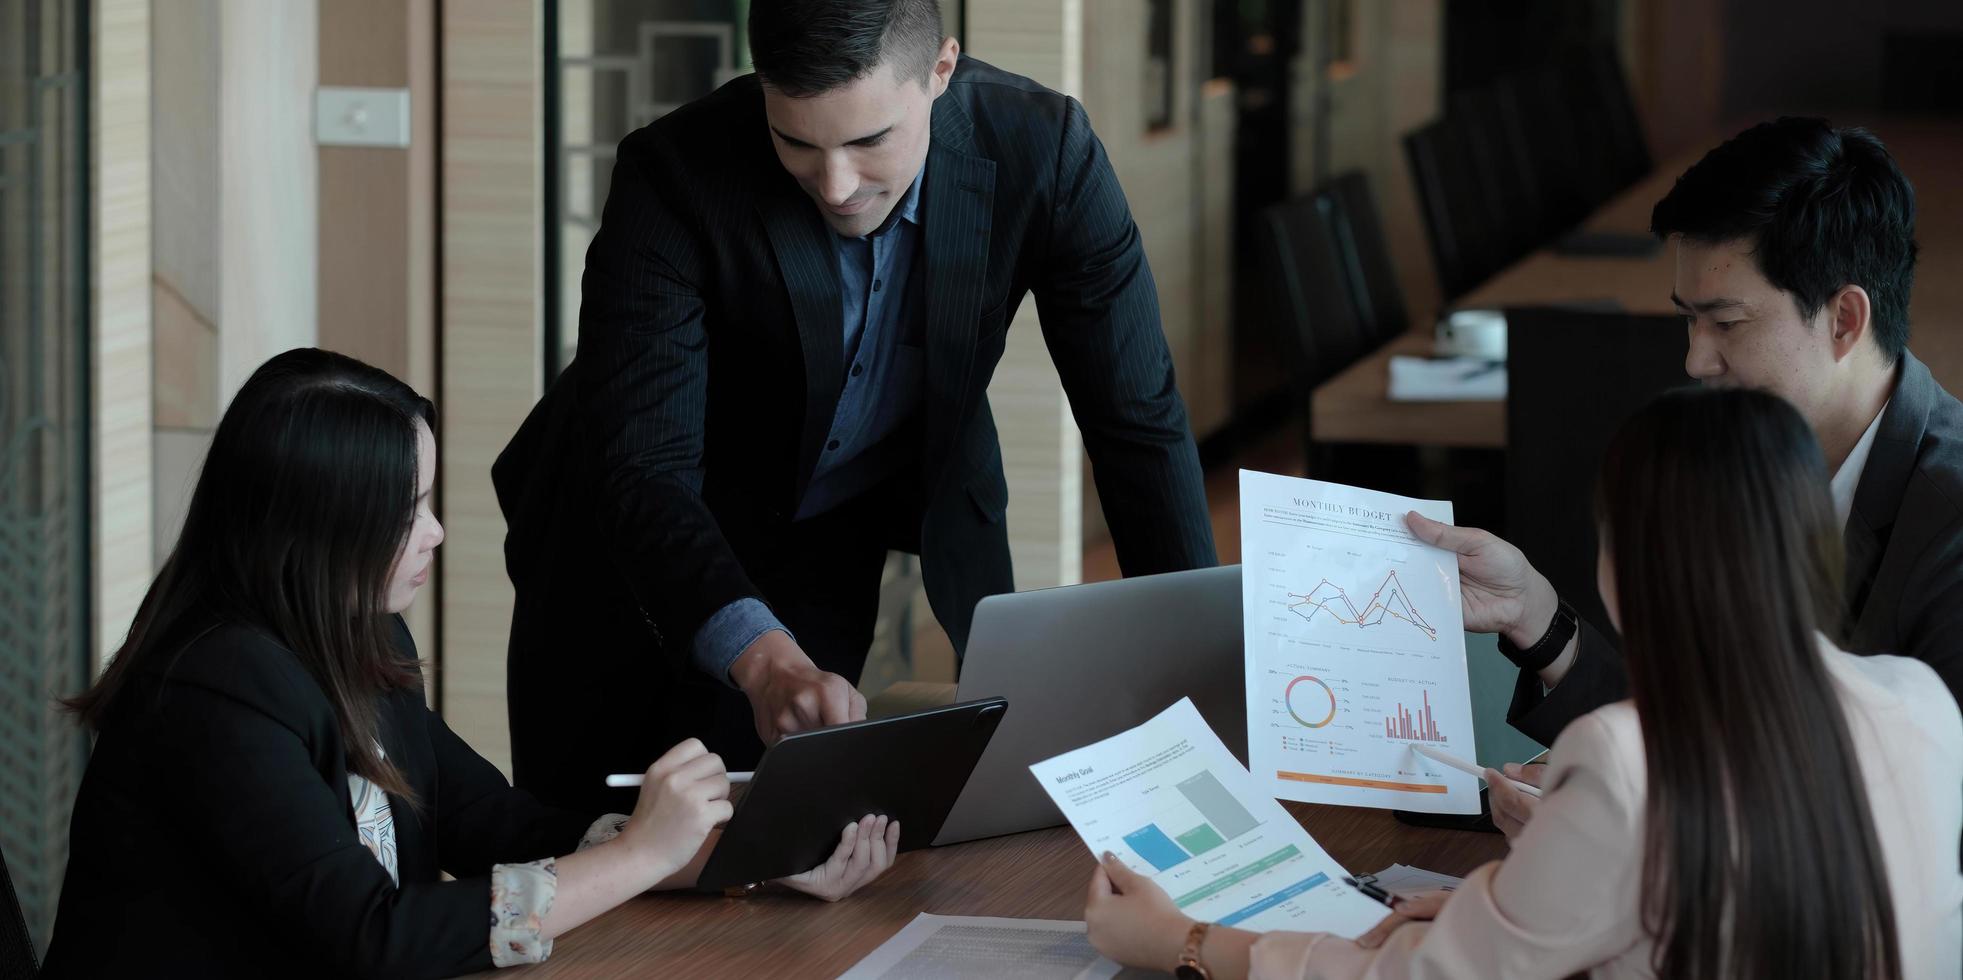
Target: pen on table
x: 1369, y: 889
x: 635, y: 778
x: 1447, y: 758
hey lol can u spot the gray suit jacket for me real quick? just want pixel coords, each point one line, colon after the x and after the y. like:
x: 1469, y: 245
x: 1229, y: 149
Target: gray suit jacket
x: 1904, y: 561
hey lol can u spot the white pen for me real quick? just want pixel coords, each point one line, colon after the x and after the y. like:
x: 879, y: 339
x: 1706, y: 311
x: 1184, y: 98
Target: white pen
x: 1447, y: 758
x: 635, y: 778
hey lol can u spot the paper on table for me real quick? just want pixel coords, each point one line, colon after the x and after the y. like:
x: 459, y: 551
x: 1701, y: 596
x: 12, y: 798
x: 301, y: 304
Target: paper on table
x: 1404, y: 881
x: 1451, y: 379
x: 1355, y: 648
x: 1170, y: 800
x: 956, y: 947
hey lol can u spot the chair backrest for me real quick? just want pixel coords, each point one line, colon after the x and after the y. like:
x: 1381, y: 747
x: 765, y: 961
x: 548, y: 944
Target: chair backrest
x: 1572, y: 378
x: 1309, y: 297
x: 16, y: 947
x: 1536, y: 118
x: 1378, y: 295
x: 1458, y: 222
x: 1922, y: 72
x: 1500, y: 166
x: 1625, y: 127
x: 1613, y: 152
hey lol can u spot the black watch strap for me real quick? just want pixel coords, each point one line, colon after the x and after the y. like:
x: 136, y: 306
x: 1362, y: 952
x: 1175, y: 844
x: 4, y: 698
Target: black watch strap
x: 1536, y: 658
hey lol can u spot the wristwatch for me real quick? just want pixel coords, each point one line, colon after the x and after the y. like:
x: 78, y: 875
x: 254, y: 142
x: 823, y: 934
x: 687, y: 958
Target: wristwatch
x: 1536, y: 658
x: 1189, y: 967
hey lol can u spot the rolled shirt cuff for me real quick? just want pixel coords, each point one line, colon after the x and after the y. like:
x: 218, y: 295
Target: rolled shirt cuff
x: 521, y: 897
x: 730, y: 632
x: 604, y: 829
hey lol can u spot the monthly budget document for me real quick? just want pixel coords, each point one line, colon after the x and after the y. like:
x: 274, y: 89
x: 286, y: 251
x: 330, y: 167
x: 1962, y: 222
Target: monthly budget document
x: 1170, y: 800
x: 1355, y: 648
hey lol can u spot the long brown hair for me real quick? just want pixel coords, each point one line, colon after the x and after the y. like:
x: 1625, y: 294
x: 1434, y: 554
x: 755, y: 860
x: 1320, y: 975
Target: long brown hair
x: 1760, y: 856
x: 306, y: 497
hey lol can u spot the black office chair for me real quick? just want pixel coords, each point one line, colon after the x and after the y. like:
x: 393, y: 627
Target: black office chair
x: 1458, y: 224
x: 1309, y: 294
x: 1609, y: 136
x: 1535, y: 116
x: 17, y: 960
x: 1922, y: 73
x: 1378, y: 296
x: 1572, y: 378
x: 1625, y: 127
x: 1501, y: 167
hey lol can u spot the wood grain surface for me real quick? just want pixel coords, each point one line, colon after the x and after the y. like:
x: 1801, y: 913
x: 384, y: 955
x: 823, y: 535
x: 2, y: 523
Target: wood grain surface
x: 1042, y: 874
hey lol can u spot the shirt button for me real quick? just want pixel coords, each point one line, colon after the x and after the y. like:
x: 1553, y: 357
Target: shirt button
x: 875, y: 285
x: 832, y: 445
x: 858, y: 369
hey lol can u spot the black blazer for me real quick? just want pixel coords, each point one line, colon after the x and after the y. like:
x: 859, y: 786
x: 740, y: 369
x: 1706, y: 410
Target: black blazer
x: 674, y: 451
x: 214, y: 834
x: 1904, y: 540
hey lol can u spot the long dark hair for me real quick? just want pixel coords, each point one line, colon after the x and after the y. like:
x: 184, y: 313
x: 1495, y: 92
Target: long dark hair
x: 1760, y: 857
x: 306, y: 498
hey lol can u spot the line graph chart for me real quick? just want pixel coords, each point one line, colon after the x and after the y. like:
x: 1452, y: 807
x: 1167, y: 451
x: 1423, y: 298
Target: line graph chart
x: 1355, y: 647
x: 1390, y: 601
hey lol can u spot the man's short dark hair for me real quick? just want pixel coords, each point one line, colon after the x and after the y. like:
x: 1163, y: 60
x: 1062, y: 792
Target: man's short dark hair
x: 1823, y: 208
x: 809, y: 47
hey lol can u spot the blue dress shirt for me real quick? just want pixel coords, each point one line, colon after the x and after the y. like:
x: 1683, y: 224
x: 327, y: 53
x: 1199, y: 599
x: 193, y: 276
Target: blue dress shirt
x: 884, y: 367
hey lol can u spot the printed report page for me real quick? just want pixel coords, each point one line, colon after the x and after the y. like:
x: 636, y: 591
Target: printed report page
x: 1171, y: 801
x: 1355, y: 648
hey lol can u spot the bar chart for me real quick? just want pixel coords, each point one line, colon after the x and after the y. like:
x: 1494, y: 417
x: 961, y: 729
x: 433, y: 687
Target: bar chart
x: 1222, y: 819
x: 1422, y: 728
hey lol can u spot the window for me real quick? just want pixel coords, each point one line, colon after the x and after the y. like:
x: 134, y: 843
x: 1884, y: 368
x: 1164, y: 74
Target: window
x: 44, y: 437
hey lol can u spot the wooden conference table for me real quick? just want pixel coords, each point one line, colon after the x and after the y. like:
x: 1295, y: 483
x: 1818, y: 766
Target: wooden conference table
x: 1355, y: 407
x: 1040, y: 875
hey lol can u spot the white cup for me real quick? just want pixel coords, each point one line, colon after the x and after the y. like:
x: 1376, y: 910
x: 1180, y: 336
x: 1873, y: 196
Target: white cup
x: 1472, y: 333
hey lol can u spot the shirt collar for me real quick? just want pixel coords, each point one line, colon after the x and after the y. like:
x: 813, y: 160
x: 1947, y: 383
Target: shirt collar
x: 1848, y: 477
x: 908, y: 210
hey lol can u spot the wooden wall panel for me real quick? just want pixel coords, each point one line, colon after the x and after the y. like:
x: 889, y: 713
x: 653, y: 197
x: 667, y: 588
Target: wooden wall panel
x: 268, y: 232
x: 1391, y: 88
x: 491, y: 369
x: 1042, y: 453
x: 120, y: 274
x: 377, y: 213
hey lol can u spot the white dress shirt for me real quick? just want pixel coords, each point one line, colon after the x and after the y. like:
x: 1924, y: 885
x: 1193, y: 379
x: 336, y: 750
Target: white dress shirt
x: 1848, y: 477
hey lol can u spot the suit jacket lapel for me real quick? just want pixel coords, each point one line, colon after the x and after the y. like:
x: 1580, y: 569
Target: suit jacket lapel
x: 1884, y: 479
x: 958, y: 201
x: 809, y: 266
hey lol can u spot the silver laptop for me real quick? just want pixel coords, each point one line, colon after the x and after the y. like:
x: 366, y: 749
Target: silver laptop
x: 1084, y: 662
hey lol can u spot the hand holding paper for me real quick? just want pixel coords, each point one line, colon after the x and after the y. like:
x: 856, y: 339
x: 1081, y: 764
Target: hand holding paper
x: 1172, y: 803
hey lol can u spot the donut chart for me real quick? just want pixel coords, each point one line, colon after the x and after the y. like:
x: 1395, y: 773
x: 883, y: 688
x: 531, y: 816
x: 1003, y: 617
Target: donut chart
x: 1308, y: 697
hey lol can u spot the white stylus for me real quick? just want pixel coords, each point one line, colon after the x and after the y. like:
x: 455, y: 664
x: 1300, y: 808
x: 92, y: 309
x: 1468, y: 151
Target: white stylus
x: 1447, y: 758
x: 635, y: 778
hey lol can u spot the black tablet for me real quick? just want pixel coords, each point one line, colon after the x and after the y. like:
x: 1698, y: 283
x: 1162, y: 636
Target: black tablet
x: 810, y: 785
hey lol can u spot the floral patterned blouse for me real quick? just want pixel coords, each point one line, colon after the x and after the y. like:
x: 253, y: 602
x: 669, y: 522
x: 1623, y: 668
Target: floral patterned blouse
x: 521, y: 894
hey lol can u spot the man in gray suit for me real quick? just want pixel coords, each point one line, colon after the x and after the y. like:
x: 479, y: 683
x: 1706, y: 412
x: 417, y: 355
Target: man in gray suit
x: 1795, y: 252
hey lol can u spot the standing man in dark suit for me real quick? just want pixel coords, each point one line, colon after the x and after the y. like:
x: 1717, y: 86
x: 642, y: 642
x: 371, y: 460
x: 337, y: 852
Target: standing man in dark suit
x: 1795, y: 253
x: 799, y: 290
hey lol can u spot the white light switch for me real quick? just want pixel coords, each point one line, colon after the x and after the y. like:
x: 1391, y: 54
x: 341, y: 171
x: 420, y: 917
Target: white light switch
x: 361, y: 116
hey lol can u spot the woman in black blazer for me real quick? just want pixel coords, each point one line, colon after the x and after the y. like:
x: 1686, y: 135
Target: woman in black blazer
x: 269, y: 794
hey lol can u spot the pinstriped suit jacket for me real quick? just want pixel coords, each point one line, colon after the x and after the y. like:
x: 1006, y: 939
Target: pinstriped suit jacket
x: 710, y: 359
x: 1904, y: 549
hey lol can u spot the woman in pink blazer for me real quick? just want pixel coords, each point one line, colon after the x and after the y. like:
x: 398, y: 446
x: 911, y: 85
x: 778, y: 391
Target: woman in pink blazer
x: 1764, y: 805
